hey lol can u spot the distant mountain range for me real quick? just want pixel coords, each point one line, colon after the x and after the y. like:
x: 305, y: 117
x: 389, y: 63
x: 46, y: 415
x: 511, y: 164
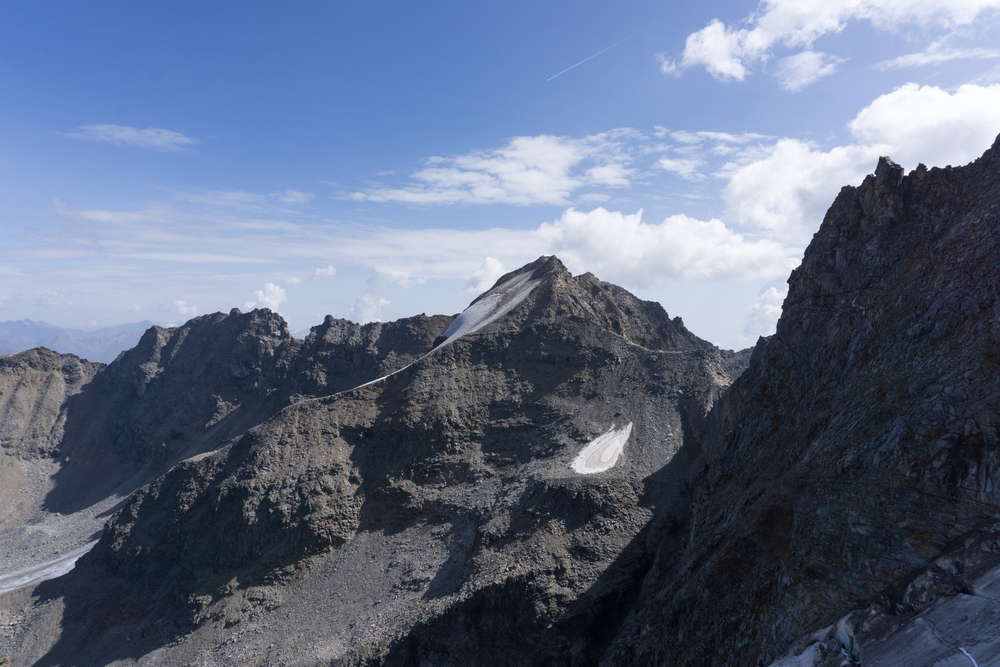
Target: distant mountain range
x: 97, y: 345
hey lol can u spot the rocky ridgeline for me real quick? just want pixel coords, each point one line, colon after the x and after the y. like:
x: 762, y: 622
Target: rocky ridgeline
x: 380, y: 494
x: 861, y: 443
x: 410, y: 493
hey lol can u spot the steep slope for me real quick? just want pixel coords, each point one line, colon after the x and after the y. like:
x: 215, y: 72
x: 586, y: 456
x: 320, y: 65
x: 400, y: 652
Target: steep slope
x: 76, y: 438
x: 431, y: 514
x: 861, y: 443
x: 35, y: 387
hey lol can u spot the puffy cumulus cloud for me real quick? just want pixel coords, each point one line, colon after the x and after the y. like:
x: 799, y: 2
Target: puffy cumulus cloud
x: 763, y: 316
x: 796, y: 72
x: 528, y: 170
x: 484, y: 277
x: 368, y: 307
x: 325, y: 272
x: 788, y: 190
x: 185, y: 308
x: 271, y: 297
x: 930, y: 125
x: 728, y: 52
x: 123, y: 135
x: 623, y: 248
x: 789, y: 186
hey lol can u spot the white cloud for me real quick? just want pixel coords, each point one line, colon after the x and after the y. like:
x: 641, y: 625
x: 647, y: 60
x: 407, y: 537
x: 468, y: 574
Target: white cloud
x: 123, y: 135
x: 796, y: 72
x: 50, y: 297
x: 935, y: 54
x: 788, y: 188
x: 92, y: 324
x: 293, y: 281
x: 624, y: 249
x: 271, y: 297
x: 327, y: 272
x: 134, y: 308
x: 223, y: 198
x: 728, y: 53
x: 185, y: 308
x: 484, y: 277
x: 8, y: 301
x: 368, y: 307
x: 295, y: 197
x: 244, y: 199
x: 528, y: 170
x: 684, y: 167
x: 763, y: 316
x: 930, y: 125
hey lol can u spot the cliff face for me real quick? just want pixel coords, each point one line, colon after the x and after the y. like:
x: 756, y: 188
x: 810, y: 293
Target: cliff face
x: 861, y: 443
x: 394, y: 493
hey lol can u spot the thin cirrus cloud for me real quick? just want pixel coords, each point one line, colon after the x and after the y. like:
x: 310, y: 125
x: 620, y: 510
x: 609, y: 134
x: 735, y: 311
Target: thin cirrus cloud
x: 796, y: 72
x: 729, y: 53
x: 123, y: 135
x: 527, y: 171
x: 935, y: 54
x: 243, y: 199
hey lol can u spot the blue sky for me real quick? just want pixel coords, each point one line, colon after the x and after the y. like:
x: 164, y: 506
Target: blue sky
x: 375, y: 160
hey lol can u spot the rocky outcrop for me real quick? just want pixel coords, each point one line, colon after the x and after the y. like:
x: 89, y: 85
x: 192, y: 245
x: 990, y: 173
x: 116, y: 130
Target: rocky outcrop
x: 34, y: 386
x: 861, y: 444
x: 387, y: 521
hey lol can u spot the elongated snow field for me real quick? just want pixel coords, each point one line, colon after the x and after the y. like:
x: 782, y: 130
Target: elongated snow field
x: 494, y: 304
x: 602, y: 453
x: 35, y: 574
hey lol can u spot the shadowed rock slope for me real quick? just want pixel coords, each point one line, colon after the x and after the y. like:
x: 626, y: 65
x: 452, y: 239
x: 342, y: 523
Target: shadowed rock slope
x: 860, y: 445
x: 388, y: 494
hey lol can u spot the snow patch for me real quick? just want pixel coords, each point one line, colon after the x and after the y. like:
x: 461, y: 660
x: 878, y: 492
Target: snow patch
x: 494, y: 304
x: 811, y: 657
x: 35, y: 574
x: 603, y: 452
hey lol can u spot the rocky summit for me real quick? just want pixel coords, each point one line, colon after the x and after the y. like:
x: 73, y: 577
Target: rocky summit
x: 560, y: 475
x: 467, y: 490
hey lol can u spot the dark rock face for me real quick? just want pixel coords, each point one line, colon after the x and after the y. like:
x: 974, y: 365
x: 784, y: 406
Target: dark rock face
x: 34, y: 386
x: 861, y: 443
x: 431, y: 510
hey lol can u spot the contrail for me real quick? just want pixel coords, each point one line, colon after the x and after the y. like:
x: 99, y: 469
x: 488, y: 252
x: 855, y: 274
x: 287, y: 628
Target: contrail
x: 605, y: 50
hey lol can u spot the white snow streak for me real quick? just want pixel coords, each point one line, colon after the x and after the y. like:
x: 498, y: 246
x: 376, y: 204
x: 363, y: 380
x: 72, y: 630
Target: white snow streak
x: 494, y: 304
x: 36, y: 574
x: 969, y: 656
x: 603, y: 452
